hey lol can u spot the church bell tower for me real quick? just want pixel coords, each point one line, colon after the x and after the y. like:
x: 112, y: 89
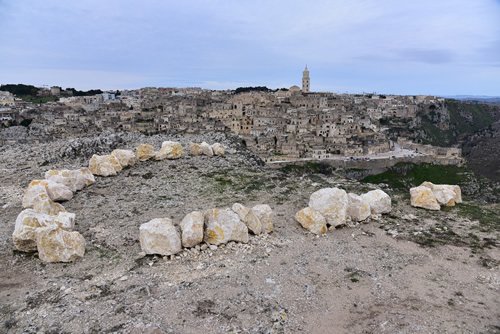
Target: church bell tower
x: 306, y: 82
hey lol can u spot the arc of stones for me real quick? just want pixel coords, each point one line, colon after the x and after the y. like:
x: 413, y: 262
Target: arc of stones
x: 45, y: 225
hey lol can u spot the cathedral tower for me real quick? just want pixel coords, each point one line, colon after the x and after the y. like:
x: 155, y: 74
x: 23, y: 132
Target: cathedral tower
x: 306, y: 82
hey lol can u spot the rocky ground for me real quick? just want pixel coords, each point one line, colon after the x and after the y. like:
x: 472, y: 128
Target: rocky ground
x: 412, y: 271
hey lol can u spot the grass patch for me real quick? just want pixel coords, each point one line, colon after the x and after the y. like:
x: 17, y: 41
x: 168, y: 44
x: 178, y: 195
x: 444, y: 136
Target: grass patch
x: 406, y: 175
x: 489, y: 219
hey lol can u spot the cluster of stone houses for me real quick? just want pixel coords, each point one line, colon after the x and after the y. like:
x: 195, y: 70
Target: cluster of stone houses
x: 279, y: 125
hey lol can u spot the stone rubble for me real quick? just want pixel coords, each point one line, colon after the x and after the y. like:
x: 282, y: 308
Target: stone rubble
x: 74, y: 179
x: 104, y: 165
x: 55, y: 244
x: 431, y: 196
x: 169, y: 150
x: 378, y: 200
x: 159, y: 236
x: 331, y: 203
x: 126, y: 158
x: 192, y: 229
x: 145, y: 152
x: 311, y: 220
x: 357, y: 208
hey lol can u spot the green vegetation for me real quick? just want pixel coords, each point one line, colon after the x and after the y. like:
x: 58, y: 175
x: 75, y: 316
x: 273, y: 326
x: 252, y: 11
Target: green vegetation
x: 20, y: 89
x: 406, y: 175
x: 308, y: 168
x: 464, y: 119
x: 38, y: 99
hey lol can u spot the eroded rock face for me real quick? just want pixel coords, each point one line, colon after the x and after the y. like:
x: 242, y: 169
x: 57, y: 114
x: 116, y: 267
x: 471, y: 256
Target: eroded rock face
x: 224, y: 225
x: 423, y: 197
x: 57, y: 245
x: 145, y: 152
x: 57, y: 191
x: 159, y: 236
x: 357, y: 208
x: 311, y: 220
x: 29, y: 220
x: 248, y: 217
x: 331, y: 203
x: 378, y: 200
x: 104, y: 165
x: 192, y: 229
x: 169, y: 150
x: 195, y: 149
x: 206, y: 149
x: 126, y: 158
x: 266, y: 217
x: 74, y: 179
x: 217, y: 149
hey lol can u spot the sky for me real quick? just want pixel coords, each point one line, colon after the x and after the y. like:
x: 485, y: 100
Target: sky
x: 434, y: 47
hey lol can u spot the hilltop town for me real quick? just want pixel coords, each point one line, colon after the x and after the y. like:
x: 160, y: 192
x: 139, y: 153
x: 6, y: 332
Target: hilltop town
x: 278, y: 125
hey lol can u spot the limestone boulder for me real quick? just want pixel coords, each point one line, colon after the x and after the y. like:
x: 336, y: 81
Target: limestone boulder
x: 57, y: 192
x: 217, y: 149
x: 195, y: 149
x: 76, y: 179
x: 423, y: 197
x: 159, y: 236
x: 126, y: 158
x: 38, y: 199
x: 248, y: 218
x: 357, y: 208
x: 29, y: 220
x: 31, y: 193
x: 57, y: 245
x: 206, y: 149
x: 192, y: 229
x: 379, y: 201
x: 104, y: 165
x: 169, y: 150
x: 445, y: 194
x: 224, y: 225
x: 145, y: 152
x: 331, y: 203
x: 311, y: 220
x: 266, y: 216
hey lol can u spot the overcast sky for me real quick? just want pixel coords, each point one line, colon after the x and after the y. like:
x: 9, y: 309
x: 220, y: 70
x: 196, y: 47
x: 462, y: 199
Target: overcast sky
x: 438, y: 47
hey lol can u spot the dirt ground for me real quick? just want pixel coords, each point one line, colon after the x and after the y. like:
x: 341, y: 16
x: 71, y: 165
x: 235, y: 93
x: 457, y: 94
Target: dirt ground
x: 375, y: 277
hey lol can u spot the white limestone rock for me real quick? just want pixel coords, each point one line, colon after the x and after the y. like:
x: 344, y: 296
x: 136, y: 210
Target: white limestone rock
x: 331, y: 203
x: 76, y: 179
x: 266, y: 216
x: 145, y: 152
x: 192, y: 229
x: 248, y: 217
x: 357, y: 208
x: 311, y: 220
x: 206, y: 149
x: 423, y: 197
x: 104, y: 165
x: 57, y: 191
x: 378, y: 200
x: 224, y: 225
x: 217, y: 149
x: 195, y: 149
x: 159, y: 236
x: 169, y: 150
x: 445, y: 194
x: 57, y: 245
x: 126, y: 158
x: 31, y: 193
x: 29, y: 220
x: 37, y: 198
